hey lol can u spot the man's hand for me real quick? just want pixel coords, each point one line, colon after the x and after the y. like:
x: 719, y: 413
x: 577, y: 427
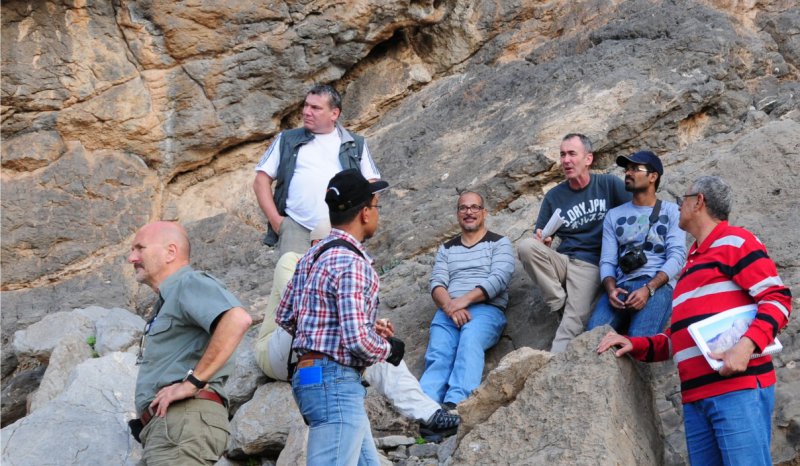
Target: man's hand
x: 175, y: 392
x: 461, y: 317
x: 538, y: 237
x: 384, y: 328
x: 637, y: 299
x: 615, y: 339
x: 613, y: 298
x: 736, y: 359
x: 456, y: 304
x: 276, y: 223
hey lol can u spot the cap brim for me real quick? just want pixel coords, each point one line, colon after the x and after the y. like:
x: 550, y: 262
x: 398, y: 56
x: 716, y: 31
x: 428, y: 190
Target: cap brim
x: 378, y: 186
x: 624, y: 160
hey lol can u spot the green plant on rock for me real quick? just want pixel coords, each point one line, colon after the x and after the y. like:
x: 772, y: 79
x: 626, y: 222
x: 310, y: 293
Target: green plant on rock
x: 384, y: 269
x: 91, y: 341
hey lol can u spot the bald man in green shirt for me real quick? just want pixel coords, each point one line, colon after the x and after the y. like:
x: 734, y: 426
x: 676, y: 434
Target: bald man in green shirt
x: 183, y: 359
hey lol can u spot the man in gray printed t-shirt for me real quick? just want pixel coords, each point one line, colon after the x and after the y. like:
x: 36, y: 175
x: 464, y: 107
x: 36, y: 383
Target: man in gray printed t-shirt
x: 569, y: 277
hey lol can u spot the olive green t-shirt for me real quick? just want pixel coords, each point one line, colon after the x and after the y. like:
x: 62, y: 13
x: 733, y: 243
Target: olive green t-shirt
x: 177, y: 337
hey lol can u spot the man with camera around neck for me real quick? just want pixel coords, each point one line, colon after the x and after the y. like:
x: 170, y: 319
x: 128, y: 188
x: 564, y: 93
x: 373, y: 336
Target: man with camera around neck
x: 643, y: 249
x: 568, y: 277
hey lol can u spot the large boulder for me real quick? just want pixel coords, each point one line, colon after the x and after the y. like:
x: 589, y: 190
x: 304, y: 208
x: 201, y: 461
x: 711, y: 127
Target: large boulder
x: 262, y: 425
x: 86, y: 423
x: 71, y: 351
x: 41, y: 338
x: 501, y: 387
x: 579, y: 408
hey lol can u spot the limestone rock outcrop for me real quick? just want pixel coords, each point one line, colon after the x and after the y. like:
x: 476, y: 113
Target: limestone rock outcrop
x: 86, y: 423
x: 579, y: 408
x: 118, y: 113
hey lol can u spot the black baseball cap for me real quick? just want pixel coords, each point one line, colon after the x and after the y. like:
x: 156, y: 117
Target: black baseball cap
x: 643, y: 157
x: 349, y: 188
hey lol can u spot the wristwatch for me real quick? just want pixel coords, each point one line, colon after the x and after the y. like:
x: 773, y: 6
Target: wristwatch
x: 650, y: 289
x: 194, y: 380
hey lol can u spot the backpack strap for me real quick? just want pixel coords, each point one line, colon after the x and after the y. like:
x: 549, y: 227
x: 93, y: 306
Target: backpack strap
x: 337, y: 243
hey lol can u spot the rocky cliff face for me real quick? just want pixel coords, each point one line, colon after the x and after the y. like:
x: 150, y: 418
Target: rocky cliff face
x: 118, y: 113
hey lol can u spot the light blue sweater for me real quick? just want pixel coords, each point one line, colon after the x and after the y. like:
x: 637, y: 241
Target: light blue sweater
x: 625, y: 226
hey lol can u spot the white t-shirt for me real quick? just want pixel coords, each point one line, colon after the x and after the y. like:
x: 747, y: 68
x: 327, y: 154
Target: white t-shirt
x: 317, y: 163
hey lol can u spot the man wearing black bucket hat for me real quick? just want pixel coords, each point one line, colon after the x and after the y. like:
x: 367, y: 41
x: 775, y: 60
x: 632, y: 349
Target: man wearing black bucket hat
x: 330, y: 307
x: 643, y: 250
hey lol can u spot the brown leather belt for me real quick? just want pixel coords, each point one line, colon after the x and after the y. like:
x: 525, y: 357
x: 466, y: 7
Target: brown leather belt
x: 204, y: 394
x: 307, y: 359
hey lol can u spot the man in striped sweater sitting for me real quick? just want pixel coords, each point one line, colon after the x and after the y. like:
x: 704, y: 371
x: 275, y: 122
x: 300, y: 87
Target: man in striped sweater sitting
x: 469, y: 285
x: 727, y: 414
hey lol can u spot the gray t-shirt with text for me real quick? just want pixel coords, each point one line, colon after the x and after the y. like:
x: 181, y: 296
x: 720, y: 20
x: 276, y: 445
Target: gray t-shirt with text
x: 583, y: 211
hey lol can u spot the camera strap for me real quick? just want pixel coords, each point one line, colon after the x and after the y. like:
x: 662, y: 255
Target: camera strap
x: 653, y: 219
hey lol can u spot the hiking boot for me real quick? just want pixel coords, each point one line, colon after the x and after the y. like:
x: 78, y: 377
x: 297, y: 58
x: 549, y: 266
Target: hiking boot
x: 440, y: 425
x: 450, y: 407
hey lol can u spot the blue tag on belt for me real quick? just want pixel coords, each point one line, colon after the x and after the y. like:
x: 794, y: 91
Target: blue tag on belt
x: 310, y: 375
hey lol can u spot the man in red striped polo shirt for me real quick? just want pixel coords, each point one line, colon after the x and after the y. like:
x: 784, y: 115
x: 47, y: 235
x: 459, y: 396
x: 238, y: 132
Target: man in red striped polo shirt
x: 727, y: 414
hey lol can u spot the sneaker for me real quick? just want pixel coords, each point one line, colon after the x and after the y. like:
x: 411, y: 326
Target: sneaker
x: 450, y: 407
x: 440, y: 425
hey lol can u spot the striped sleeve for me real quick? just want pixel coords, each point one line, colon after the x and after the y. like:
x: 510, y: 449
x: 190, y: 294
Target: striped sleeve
x: 440, y: 276
x: 502, y: 267
x: 753, y: 270
x: 653, y: 348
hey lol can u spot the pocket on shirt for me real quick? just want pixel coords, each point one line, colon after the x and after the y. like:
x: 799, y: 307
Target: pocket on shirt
x: 160, y: 325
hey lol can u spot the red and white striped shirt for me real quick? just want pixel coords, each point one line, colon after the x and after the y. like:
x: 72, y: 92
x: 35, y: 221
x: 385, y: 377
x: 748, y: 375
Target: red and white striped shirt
x: 730, y: 269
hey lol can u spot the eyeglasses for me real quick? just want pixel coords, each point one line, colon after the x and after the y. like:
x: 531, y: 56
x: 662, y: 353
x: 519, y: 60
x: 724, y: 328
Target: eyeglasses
x: 635, y: 168
x: 679, y: 199
x: 474, y: 208
x: 376, y: 206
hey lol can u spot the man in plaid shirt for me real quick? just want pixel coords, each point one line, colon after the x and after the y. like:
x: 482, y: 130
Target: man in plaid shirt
x: 330, y: 307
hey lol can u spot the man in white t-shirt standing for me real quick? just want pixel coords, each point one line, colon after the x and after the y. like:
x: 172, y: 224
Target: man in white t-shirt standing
x: 301, y: 161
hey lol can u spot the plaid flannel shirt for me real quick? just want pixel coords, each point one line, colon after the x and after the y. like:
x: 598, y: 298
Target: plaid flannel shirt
x: 330, y: 306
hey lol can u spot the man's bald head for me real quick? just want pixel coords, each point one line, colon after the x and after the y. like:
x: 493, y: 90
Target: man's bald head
x: 159, y: 250
x: 172, y: 233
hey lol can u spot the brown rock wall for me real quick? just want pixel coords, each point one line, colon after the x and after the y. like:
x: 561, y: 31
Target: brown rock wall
x: 71, y: 210
x: 116, y: 113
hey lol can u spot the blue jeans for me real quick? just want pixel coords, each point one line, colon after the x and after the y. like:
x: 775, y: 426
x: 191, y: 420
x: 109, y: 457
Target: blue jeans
x: 650, y: 320
x: 732, y: 429
x: 333, y: 407
x: 455, y: 356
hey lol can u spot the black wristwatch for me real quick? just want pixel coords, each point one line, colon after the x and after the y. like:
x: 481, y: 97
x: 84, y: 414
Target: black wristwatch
x: 194, y: 380
x: 650, y: 289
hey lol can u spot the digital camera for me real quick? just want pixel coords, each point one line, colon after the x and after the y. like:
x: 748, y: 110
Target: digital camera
x: 632, y: 260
